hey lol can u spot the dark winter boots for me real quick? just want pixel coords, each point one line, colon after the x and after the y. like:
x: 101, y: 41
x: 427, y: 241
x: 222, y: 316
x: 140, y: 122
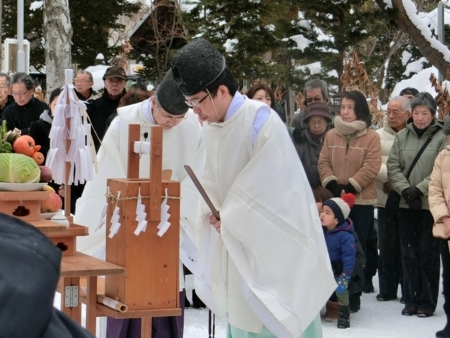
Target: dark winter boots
x: 332, y: 311
x: 344, y: 317
x: 445, y: 332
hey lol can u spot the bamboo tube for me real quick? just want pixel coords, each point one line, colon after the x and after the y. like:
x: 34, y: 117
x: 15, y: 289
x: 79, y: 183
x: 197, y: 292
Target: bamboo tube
x: 112, y: 303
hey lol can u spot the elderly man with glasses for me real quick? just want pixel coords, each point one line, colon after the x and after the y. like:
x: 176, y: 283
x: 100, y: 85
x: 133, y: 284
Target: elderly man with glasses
x: 83, y: 87
x: 316, y: 90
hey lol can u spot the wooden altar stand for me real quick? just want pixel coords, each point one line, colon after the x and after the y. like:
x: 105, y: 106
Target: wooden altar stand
x: 150, y: 285
x: 27, y: 207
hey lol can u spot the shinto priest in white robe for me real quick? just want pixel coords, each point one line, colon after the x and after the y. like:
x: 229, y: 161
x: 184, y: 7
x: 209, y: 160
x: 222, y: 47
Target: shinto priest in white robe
x: 182, y: 144
x: 269, y: 265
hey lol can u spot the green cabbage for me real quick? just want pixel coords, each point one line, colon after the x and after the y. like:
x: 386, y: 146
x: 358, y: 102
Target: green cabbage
x: 18, y: 168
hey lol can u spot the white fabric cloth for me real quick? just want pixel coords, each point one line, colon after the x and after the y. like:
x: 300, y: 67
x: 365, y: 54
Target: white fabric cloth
x: 182, y: 144
x: 387, y: 137
x: 269, y: 265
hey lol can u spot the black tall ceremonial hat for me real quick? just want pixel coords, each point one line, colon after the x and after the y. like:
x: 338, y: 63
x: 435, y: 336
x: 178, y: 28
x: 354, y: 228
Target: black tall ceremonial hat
x: 196, y: 66
x: 170, y: 97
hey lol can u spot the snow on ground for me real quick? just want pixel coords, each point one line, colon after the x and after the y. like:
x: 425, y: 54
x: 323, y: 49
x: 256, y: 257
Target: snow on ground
x: 375, y: 320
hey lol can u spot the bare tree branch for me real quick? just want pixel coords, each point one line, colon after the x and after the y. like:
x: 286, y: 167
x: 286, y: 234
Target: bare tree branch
x: 405, y: 23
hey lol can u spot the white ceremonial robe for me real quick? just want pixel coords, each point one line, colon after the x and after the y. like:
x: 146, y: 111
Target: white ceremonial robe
x: 269, y: 265
x: 182, y: 145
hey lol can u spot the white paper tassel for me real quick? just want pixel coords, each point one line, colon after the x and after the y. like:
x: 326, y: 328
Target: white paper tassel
x: 164, y: 224
x: 115, y: 224
x: 81, y: 155
x: 141, y: 215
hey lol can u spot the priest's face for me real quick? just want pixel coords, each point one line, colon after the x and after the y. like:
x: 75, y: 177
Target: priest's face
x: 163, y: 118
x: 210, y: 108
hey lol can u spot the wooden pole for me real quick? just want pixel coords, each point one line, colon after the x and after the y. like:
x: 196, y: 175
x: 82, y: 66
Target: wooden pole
x: 134, y: 131
x: 155, y: 174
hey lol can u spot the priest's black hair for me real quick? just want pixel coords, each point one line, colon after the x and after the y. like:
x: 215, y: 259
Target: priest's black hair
x: 226, y: 79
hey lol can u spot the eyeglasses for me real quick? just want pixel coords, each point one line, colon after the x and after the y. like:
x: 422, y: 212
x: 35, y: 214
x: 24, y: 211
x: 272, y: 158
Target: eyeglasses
x: 82, y: 81
x: 312, y: 99
x: 197, y: 103
x: 171, y: 118
x: 319, y: 123
x: 20, y: 93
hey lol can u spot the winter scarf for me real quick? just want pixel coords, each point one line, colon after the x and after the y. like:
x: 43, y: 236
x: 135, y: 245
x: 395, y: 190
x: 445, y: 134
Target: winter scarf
x: 348, y: 128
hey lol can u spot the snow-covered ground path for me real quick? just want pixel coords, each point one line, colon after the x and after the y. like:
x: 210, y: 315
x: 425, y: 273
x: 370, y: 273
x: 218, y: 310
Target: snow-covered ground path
x: 375, y: 320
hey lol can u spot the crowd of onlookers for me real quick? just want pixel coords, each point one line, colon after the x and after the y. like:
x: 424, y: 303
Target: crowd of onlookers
x: 399, y: 172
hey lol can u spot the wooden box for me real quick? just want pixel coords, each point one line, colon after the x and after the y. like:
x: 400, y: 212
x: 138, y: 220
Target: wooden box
x: 24, y: 205
x: 151, y: 279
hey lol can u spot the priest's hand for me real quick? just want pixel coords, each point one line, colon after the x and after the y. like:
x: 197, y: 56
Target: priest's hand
x: 215, y: 223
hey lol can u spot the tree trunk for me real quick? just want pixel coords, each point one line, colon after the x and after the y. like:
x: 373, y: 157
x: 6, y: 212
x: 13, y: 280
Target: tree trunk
x: 58, y: 35
x: 404, y: 23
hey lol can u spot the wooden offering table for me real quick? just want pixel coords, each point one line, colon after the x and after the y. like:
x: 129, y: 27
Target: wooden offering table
x: 72, y: 268
x: 26, y: 205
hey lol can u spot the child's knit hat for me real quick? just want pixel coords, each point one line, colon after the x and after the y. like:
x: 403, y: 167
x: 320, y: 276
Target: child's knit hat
x: 341, y: 206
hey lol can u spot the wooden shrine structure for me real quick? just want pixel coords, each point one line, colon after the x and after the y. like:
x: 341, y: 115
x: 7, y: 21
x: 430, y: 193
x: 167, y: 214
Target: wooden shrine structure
x: 141, y: 271
x: 150, y: 285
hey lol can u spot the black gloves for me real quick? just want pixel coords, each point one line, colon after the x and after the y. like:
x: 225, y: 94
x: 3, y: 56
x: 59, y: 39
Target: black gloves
x: 297, y: 135
x: 415, y: 204
x: 412, y: 196
x: 334, y: 188
x: 411, y: 193
x: 350, y: 189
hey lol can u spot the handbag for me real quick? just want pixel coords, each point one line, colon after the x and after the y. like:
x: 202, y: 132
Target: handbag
x: 393, y: 199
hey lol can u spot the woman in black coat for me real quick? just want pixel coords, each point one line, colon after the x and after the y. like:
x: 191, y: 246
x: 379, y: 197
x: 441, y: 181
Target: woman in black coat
x: 26, y: 107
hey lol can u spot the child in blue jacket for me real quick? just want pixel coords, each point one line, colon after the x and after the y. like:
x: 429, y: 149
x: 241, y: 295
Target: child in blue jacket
x: 341, y: 246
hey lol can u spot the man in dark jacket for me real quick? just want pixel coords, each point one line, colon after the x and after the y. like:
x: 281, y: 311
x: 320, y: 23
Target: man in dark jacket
x: 114, y: 80
x: 29, y: 273
x: 316, y: 90
x: 83, y: 87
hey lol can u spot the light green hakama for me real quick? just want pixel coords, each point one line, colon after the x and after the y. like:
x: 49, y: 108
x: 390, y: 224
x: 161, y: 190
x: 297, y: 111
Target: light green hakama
x: 314, y: 330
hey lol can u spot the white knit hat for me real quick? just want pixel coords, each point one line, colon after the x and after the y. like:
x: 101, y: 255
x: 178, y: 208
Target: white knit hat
x: 341, y: 206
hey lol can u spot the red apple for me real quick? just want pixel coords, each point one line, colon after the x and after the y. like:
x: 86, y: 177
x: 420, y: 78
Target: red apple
x: 51, y: 204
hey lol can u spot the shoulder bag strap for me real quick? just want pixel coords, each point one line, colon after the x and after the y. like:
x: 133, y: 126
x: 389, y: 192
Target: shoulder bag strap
x: 420, y: 153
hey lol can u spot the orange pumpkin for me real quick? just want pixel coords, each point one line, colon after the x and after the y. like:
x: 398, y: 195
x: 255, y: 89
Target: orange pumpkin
x: 24, y: 145
x: 38, y: 157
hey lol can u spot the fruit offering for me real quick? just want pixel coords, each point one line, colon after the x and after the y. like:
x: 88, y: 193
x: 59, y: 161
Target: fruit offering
x: 52, y: 204
x: 13, y: 142
x: 46, y: 174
